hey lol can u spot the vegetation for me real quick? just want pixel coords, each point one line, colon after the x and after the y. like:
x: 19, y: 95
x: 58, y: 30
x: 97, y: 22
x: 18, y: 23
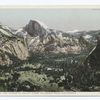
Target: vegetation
x: 21, y: 70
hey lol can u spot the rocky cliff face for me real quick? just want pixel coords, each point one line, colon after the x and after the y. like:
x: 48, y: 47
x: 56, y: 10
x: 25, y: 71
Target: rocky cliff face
x: 36, y: 58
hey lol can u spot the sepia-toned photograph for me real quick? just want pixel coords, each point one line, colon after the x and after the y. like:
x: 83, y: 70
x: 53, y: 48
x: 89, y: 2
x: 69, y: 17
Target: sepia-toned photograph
x: 49, y: 49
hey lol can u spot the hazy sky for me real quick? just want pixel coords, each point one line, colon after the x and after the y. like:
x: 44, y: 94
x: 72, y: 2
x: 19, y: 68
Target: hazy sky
x: 62, y: 19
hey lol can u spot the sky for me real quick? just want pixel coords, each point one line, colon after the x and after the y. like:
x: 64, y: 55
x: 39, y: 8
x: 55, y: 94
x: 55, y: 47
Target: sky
x: 65, y: 19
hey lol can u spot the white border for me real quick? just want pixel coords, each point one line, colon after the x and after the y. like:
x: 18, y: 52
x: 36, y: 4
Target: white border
x: 50, y: 2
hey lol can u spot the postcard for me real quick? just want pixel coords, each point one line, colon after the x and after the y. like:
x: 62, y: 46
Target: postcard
x: 50, y: 50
